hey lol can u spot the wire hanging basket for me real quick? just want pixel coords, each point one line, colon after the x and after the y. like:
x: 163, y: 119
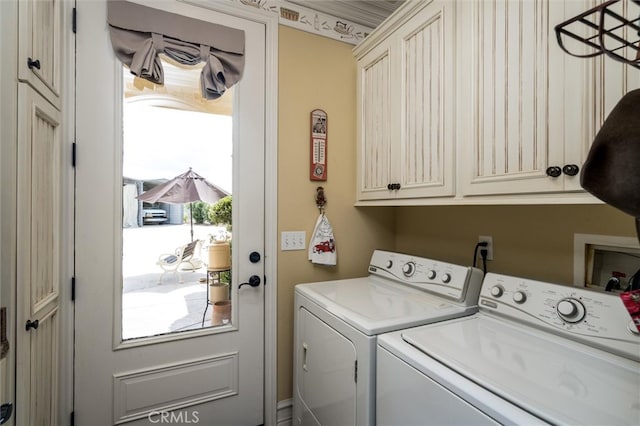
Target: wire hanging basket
x: 603, y: 30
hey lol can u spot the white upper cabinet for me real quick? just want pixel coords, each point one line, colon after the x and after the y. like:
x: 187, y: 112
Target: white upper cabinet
x: 525, y: 125
x: 40, y: 48
x: 474, y: 102
x: 406, y: 105
x: 375, y: 123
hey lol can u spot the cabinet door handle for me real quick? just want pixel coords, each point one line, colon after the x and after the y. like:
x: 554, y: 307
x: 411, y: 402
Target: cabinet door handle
x: 33, y: 64
x: 570, y: 169
x: 554, y: 171
x: 390, y: 187
x: 32, y: 324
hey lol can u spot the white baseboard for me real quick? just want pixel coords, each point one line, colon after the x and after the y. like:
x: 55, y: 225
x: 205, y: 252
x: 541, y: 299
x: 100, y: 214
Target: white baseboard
x: 285, y: 412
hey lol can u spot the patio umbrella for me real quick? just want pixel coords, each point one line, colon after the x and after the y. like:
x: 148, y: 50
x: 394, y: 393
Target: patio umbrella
x: 185, y: 188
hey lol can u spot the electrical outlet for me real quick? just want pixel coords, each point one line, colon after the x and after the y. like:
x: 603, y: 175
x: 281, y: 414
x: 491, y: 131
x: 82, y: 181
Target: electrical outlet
x: 489, y: 247
x: 293, y: 240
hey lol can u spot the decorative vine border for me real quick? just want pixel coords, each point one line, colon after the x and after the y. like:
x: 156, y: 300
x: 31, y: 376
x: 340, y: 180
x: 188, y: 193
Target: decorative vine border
x: 311, y: 21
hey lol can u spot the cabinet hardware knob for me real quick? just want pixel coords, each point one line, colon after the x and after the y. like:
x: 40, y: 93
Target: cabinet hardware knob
x: 570, y: 169
x: 390, y: 187
x: 33, y: 64
x: 31, y: 324
x: 554, y: 171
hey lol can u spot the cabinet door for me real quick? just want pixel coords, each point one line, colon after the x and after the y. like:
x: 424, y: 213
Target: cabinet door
x: 376, y: 123
x: 39, y: 53
x: 38, y: 275
x: 524, y: 99
x: 427, y: 87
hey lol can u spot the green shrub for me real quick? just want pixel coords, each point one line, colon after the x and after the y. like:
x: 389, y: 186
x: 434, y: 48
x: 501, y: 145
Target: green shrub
x: 199, y: 210
x: 220, y: 212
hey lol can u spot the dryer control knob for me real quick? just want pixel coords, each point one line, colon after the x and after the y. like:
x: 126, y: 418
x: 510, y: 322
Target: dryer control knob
x: 519, y: 297
x: 408, y: 269
x: 431, y: 274
x: 497, y: 291
x: 446, y: 278
x: 570, y: 310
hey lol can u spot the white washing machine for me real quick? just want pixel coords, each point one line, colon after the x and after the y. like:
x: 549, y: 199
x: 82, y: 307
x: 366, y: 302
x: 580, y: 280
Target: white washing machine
x: 336, y: 324
x: 535, y: 353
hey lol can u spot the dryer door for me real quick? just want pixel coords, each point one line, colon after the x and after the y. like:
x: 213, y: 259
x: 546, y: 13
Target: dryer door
x: 326, y: 373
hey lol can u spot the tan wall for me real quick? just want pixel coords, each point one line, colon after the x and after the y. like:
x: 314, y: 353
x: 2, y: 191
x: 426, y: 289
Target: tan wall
x: 530, y: 241
x: 316, y: 72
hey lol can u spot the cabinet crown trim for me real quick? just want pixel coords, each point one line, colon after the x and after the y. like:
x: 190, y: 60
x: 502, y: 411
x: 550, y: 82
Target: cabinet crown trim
x: 389, y: 25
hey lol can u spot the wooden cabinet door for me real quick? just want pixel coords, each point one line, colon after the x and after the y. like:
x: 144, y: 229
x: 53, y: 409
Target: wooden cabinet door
x: 526, y: 98
x: 40, y: 48
x: 38, y: 248
x: 427, y: 88
x: 377, y: 123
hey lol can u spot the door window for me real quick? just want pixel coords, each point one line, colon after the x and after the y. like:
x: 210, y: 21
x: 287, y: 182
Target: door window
x: 176, y: 227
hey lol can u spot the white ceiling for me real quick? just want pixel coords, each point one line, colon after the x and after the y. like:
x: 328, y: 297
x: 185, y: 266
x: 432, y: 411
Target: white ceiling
x: 369, y: 13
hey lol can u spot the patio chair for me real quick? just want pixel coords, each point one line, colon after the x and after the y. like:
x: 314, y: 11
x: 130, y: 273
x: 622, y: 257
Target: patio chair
x: 184, y: 259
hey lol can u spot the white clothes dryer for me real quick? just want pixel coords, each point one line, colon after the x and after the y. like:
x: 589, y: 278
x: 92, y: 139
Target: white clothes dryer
x: 535, y: 353
x: 336, y: 324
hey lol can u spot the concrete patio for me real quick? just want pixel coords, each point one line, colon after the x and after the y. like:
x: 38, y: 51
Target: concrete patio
x: 148, y: 308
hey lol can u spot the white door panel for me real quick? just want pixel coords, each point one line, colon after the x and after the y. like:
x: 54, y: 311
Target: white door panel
x: 214, y: 375
x: 38, y: 290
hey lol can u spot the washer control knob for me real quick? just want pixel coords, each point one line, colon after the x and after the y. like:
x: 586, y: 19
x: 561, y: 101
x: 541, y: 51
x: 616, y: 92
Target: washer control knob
x: 570, y: 310
x: 389, y: 264
x: 519, y: 297
x: 408, y: 269
x: 497, y: 291
x: 431, y: 274
x: 446, y: 278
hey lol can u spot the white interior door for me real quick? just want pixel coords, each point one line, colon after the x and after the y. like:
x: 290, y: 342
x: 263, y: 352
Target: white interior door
x: 207, y: 376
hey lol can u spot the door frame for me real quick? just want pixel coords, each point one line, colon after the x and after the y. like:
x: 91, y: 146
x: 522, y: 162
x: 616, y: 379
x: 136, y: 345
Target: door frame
x: 270, y: 22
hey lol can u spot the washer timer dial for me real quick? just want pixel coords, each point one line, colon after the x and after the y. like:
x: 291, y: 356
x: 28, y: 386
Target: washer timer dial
x: 408, y: 269
x: 519, y: 297
x: 570, y: 310
x: 497, y: 291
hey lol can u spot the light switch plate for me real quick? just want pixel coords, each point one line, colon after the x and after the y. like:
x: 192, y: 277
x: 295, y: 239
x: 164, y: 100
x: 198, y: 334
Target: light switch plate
x: 293, y: 240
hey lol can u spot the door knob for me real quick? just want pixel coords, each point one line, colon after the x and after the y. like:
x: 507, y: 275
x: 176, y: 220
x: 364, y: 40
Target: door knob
x: 31, y: 324
x: 570, y: 169
x: 254, y: 281
x: 554, y: 171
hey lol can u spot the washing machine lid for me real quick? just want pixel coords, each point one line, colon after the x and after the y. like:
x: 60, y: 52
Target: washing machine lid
x: 556, y: 379
x: 375, y: 305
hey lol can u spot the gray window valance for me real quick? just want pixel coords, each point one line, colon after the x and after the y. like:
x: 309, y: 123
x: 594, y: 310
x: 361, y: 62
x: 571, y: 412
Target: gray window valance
x: 139, y: 34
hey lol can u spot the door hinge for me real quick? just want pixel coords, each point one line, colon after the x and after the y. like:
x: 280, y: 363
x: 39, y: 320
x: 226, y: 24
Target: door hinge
x: 355, y: 375
x: 73, y: 289
x: 74, y: 20
x: 73, y: 154
x: 4, y: 342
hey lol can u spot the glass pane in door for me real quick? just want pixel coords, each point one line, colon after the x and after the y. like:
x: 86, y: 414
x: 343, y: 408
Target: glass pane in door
x: 176, y: 195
